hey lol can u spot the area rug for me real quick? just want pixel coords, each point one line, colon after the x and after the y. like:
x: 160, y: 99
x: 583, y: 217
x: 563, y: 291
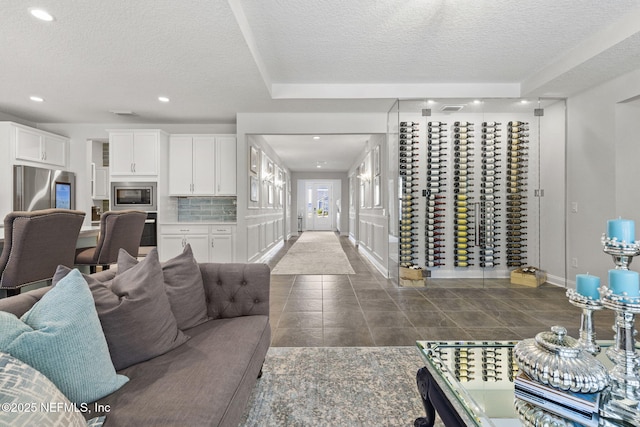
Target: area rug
x: 336, y: 386
x: 315, y: 252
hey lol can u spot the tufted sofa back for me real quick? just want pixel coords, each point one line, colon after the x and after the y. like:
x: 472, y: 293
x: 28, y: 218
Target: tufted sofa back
x: 231, y: 290
x: 235, y: 289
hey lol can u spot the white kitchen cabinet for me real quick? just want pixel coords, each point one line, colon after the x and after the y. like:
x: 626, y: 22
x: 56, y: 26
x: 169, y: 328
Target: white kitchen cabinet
x: 191, y: 165
x: 33, y: 145
x: 226, y: 166
x: 209, y: 243
x: 222, y: 242
x: 99, y: 182
x: 134, y: 153
x: 173, y: 239
x: 202, y: 165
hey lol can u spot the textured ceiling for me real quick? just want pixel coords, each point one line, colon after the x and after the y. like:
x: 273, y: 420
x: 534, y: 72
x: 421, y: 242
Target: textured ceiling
x: 334, y: 153
x: 216, y: 58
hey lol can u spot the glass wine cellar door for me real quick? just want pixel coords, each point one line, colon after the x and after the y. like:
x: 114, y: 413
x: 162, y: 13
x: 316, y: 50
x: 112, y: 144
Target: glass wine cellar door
x: 480, y: 190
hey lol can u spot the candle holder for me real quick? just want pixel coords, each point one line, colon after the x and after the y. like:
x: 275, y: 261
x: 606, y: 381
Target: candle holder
x: 587, y: 338
x: 623, y: 400
x: 621, y: 252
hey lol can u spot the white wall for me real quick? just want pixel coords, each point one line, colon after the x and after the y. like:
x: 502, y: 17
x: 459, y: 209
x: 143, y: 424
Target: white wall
x: 602, y: 158
x: 263, y: 222
x: 371, y: 220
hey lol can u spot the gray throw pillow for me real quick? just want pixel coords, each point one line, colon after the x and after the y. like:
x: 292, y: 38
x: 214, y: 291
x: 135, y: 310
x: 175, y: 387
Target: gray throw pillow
x: 135, y: 313
x: 183, y: 284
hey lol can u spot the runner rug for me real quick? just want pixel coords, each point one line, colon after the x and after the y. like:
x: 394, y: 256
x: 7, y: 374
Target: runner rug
x: 337, y: 386
x: 315, y: 252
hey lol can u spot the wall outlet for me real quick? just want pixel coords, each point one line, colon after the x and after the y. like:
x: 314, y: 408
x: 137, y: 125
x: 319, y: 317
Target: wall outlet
x: 574, y: 262
x: 574, y: 207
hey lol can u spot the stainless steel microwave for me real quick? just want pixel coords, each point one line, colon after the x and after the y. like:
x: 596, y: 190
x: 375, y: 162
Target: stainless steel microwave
x: 134, y: 195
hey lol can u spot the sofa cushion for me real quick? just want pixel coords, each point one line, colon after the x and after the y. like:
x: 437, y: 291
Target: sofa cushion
x: 183, y: 283
x: 135, y: 313
x: 26, y: 396
x: 61, y: 337
x: 205, y: 382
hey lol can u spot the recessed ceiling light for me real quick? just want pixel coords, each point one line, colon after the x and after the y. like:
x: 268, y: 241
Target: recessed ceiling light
x: 318, y: 165
x: 41, y: 14
x: 316, y: 137
x: 524, y: 101
x: 163, y: 99
x: 477, y: 101
x: 36, y: 99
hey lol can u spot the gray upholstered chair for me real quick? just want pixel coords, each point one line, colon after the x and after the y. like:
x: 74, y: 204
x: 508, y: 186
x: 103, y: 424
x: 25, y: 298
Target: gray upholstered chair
x: 35, y: 243
x: 118, y: 230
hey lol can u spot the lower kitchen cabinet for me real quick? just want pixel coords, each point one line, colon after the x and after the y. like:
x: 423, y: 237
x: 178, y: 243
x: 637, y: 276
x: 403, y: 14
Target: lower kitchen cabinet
x: 209, y: 243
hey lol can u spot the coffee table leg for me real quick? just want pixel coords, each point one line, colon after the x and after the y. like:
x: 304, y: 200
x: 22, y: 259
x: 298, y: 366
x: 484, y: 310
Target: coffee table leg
x: 423, y: 378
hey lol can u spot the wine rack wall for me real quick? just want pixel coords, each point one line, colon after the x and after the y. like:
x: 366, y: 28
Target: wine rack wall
x: 409, y: 146
x: 517, y: 158
x: 469, y: 222
x: 463, y: 187
x: 489, y: 233
x: 436, y: 173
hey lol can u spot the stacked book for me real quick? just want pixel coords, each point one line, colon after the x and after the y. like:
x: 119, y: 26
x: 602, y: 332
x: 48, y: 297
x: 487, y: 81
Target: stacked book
x: 579, y: 407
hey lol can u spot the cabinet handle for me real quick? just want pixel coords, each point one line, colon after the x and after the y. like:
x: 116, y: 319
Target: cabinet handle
x: 131, y: 167
x: 185, y: 231
x: 184, y: 242
x: 212, y: 245
x: 134, y: 167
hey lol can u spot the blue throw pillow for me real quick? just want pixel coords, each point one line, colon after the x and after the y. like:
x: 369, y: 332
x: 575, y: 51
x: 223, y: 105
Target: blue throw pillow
x: 28, y: 398
x: 62, y: 338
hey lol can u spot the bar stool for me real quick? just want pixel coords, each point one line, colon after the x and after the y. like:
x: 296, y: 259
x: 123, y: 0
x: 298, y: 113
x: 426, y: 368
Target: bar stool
x: 118, y: 230
x: 35, y: 243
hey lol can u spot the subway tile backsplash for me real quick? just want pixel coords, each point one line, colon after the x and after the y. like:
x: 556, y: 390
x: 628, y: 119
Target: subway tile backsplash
x: 194, y: 209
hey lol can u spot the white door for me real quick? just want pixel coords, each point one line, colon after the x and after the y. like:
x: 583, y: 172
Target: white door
x: 320, y: 209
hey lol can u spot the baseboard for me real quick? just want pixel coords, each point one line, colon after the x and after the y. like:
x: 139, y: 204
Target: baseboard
x: 268, y: 254
x: 382, y: 269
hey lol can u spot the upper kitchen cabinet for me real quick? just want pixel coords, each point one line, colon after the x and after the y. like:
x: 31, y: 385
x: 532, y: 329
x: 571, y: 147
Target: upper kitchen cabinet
x: 33, y: 145
x: 226, y: 166
x: 135, y: 153
x: 202, y: 165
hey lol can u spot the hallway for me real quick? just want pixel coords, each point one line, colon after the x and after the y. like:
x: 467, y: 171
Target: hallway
x: 365, y: 309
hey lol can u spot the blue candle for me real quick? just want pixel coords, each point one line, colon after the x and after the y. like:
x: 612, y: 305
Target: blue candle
x: 624, y: 230
x: 587, y: 286
x: 624, y: 282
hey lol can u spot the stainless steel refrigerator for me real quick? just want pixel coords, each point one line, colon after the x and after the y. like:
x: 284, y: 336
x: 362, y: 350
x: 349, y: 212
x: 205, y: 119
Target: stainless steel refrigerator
x: 37, y: 188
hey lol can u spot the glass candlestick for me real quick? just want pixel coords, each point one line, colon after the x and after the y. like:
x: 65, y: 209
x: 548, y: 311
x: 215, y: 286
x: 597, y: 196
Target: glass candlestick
x: 623, y: 400
x: 587, y: 330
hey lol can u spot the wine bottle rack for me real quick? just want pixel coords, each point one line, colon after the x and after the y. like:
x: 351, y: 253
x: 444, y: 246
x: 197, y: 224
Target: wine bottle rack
x: 489, y: 230
x: 463, y: 186
x: 436, y: 174
x: 409, y: 144
x: 517, y: 168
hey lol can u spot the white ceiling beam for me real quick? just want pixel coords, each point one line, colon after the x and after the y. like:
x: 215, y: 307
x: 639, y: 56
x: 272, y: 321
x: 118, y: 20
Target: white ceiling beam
x: 247, y: 33
x: 376, y: 91
x: 587, y: 50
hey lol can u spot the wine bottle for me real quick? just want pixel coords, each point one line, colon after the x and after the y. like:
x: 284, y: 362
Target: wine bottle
x: 434, y: 264
x: 462, y: 264
x: 464, y: 136
x: 462, y: 258
x: 517, y: 123
x: 488, y: 264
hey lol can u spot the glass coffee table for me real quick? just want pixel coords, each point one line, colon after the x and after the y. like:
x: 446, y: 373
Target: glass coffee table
x: 470, y: 383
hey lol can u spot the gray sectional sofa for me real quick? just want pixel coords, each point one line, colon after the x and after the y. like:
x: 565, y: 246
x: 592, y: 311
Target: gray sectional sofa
x: 207, y: 379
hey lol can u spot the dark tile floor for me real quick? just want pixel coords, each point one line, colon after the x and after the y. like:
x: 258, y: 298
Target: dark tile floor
x: 366, y: 309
